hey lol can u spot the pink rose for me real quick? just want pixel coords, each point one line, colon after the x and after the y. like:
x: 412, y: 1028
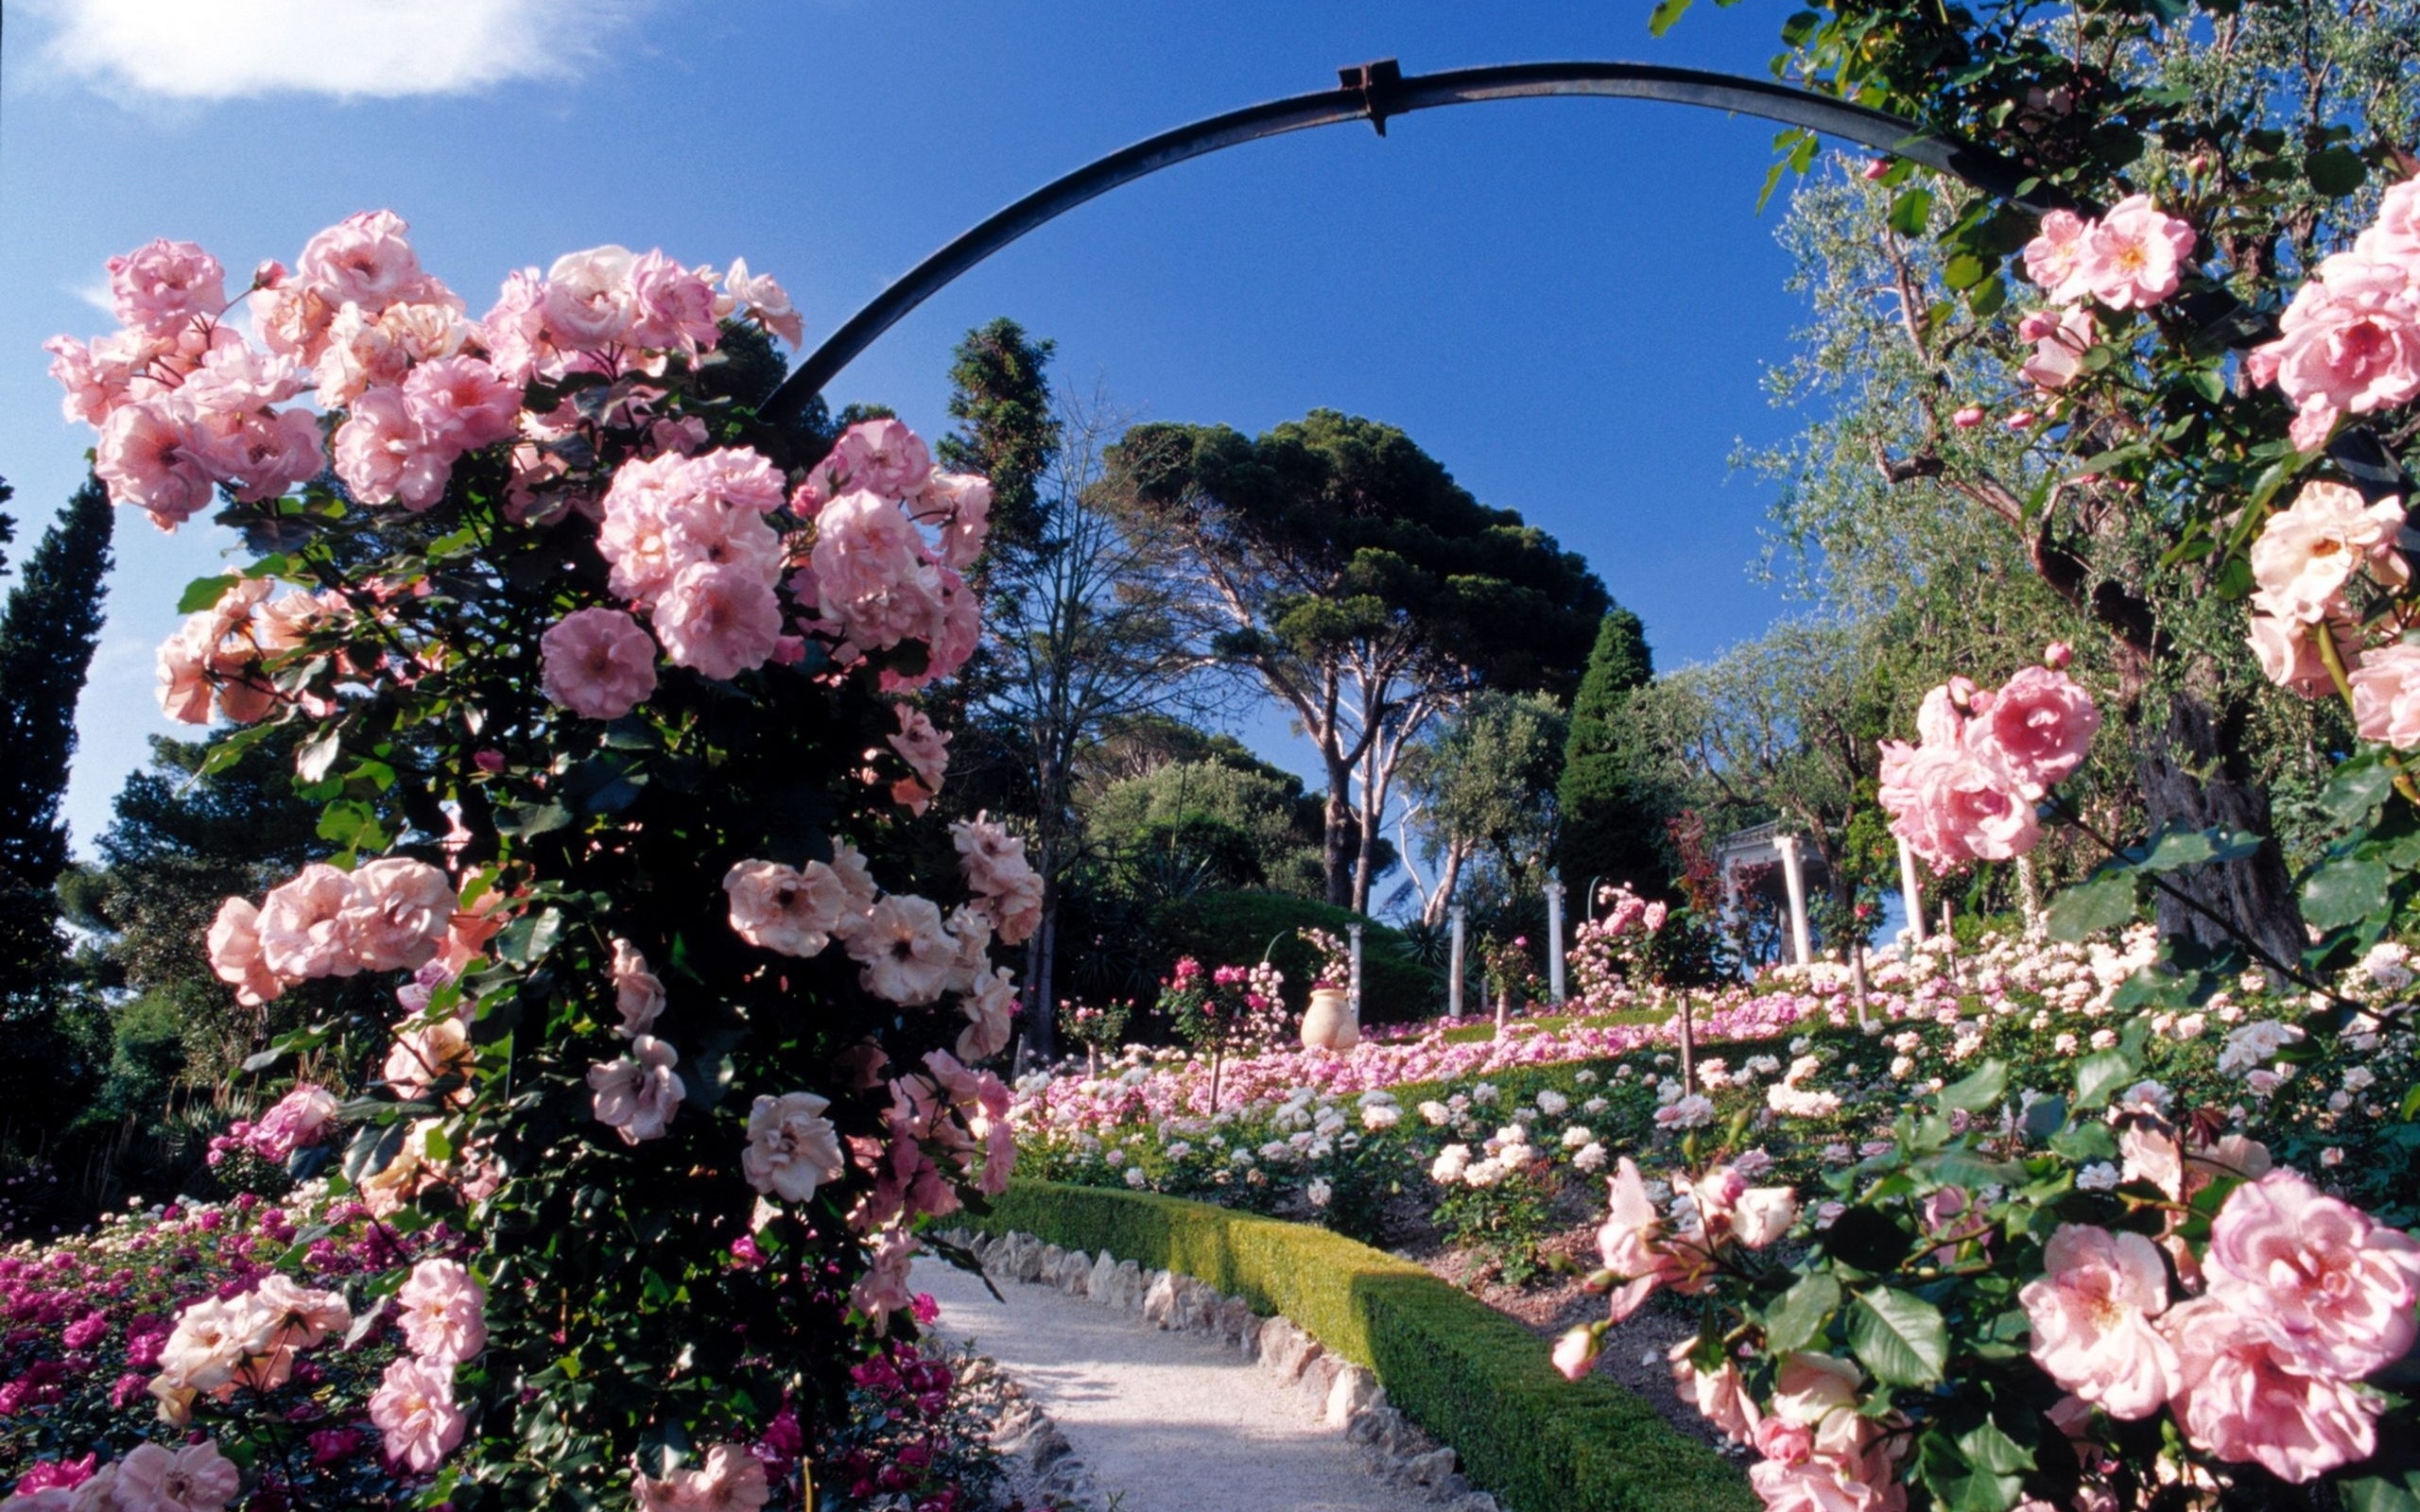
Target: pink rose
x: 395, y: 916
x: 639, y: 995
x: 236, y: 956
x: 155, y: 456
x: 443, y: 1310
x: 730, y: 1480
x: 718, y: 619
x: 1008, y: 890
x: 962, y: 504
x: 381, y: 456
x: 2054, y: 258
x: 2035, y: 731
x: 636, y: 1095
x: 673, y: 308
x: 765, y: 301
x: 2133, y: 256
x: 164, y: 286
x: 2092, y: 1316
x: 596, y: 663
x: 295, y: 1122
x: 366, y: 259
x: 1575, y: 1354
x: 1950, y: 808
x: 260, y: 455
x: 1721, y: 1396
x: 883, y: 1289
x: 2386, y: 696
x: 2349, y: 342
x: 194, y: 1478
x: 880, y: 456
x: 2060, y: 340
x: 433, y: 1055
x: 990, y: 1004
x: 461, y: 404
x: 96, y: 381
x: 2306, y: 552
x: 905, y: 954
x: 234, y: 378
x: 794, y: 911
x: 2240, y: 1396
x: 1631, y: 1243
x: 925, y: 748
x: 793, y: 1148
x: 2338, y: 1285
x: 414, y: 1411
x: 589, y: 304
x: 2289, y: 654
x: 865, y: 547
x: 301, y: 929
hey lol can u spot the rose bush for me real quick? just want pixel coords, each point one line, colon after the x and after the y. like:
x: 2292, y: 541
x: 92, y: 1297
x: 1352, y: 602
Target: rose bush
x: 602, y: 680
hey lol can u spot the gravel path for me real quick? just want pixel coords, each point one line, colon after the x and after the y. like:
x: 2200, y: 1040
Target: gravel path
x: 1167, y: 1422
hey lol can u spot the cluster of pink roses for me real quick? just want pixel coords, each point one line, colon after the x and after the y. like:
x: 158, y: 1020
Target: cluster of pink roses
x: 2130, y: 258
x: 1641, y: 1255
x: 2350, y: 342
x: 389, y: 915
x: 441, y: 1309
x: 728, y: 1479
x: 2295, y: 1298
x: 298, y: 1120
x: 1967, y: 791
x: 219, y: 653
x: 195, y: 1477
x: 220, y: 1344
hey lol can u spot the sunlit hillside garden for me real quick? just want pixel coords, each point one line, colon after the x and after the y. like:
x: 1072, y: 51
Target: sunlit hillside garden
x: 653, y: 864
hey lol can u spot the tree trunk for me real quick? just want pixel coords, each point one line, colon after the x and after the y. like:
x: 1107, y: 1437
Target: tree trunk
x: 1339, y: 814
x: 1442, y: 901
x: 2191, y: 775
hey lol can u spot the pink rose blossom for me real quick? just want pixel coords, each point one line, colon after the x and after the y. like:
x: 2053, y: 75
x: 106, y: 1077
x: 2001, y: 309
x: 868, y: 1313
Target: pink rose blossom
x: 2386, y: 696
x: 415, y: 1414
x: 905, y: 954
x: 962, y: 503
x: 396, y: 914
x: 883, y: 1289
x: 597, y: 662
x: 1008, y: 890
x: 514, y: 331
x: 165, y: 286
x: 2054, y: 258
x: 990, y: 1004
x: 730, y: 1480
x: 461, y: 404
x: 443, y: 1310
x: 1950, y: 808
x: 2060, y: 340
x: 2133, y: 256
x: 1575, y: 1354
x: 765, y: 301
x: 194, y: 1478
x: 589, y: 303
x: 639, y: 995
x: 792, y: 1147
x: 2034, y: 730
x: 155, y: 456
x: 794, y: 911
x: 2306, y: 553
x: 236, y: 956
x: 636, y: 1095
x: 927, y: 752
x: 302, y: 930
x: 295, y: 1122
x: 719, y: 620
x: 434, y: 1056
x: 382, y: 457
x: 1629, y: 1243
x: 234, y: 378
x: 366, y: 259
x: 2092, y: 1316
x: 2338, y: 1285
x: 673, y: 309
x: 2288, y: 653
x: 880, y: 456
x: 2240, y: 1396
x: 260, y: 455
x: 2350, y: 342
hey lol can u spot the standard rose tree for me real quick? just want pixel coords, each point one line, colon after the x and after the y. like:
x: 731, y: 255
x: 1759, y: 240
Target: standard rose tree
x: 603, y: 681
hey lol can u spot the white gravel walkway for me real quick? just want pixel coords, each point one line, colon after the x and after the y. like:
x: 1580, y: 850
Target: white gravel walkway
x: 1166, y: 1421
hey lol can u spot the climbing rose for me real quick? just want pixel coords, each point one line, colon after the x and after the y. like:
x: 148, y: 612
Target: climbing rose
x: 925, y: 750
x: 720, y: 619
x: 2289, y: 658
x: 236, y: 956
x: 395, y: 914
x: 588, y: 301
x: 2239, y: 1394
x: 1630, y: 1241
x: 597, y: 662
x: 366, y: 259
x: 2306, y: 553
x: 2386, y: 696
x: 461, y: 404
x: 301, y: 928
x: 1575, y: 1354
x: 2060, y: 340
x: 1008, y: 890
x: 794, y: 911
x: 2092, y: 1316
x: 443, y: 1310
x: 2034, y: 730
x: 638, y: 994
x: 636, y: 1095
x: 295, y: 1121
x: 2133, y: 255
x: 2338, y: 1285
x: 1950, y: 808
x: 2349, y: 343
x: 905, y: 952
x: 421, y: 1059
x: 414, y: 1410
x: 164, y: 285
x: 792, y: 1147
x: 154, y: 456
x: 2054, y: 258
x: 882, y: 455
x: 765, y: 301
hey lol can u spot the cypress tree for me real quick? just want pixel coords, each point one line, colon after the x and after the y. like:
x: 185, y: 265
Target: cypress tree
x: 48, y: 635
x: 1608, y: 831
x: 1000, y: 397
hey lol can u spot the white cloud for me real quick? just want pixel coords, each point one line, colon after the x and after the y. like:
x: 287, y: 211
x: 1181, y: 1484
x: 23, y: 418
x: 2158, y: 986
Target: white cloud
x: 225, y: 49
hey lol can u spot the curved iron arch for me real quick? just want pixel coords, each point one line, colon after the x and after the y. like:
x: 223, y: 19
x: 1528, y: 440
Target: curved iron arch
x: 1374, y: 93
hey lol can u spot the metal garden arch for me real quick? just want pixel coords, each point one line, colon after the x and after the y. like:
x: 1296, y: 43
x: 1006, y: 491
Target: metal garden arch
x: 1376, y: 93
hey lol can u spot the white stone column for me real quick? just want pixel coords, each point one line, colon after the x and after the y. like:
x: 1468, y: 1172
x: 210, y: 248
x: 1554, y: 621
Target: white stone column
x: 1787, y: 845
x: 1454, y: 982
x: 1911, y: 896
x: 1554, y: 939
x: 1355, y: 930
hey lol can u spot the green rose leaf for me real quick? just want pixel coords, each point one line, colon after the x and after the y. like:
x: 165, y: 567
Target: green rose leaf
x: 2104, y: 903
x: 1898, y: 1336
x: 2100, y: 1074
x: 2344, y: 892
x: 1973, y: 1094
x: 1792, y: 1322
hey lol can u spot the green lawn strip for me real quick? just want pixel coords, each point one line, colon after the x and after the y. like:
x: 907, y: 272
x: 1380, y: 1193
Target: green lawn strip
x: 1463, y: 1371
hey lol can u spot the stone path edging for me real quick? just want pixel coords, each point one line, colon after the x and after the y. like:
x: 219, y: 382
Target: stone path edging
x: 1342, y: 1396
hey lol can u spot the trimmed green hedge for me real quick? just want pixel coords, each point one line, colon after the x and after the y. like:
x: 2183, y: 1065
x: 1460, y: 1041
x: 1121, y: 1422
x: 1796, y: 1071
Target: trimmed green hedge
x: 1468, y: 1374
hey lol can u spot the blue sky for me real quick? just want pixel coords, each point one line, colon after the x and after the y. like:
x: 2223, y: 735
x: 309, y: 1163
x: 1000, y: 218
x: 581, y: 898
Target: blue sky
x: 1570, y: 304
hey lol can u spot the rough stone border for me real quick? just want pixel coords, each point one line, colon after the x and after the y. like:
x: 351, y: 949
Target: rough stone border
x: 1341, y: 1396
x: 1038, y: 1462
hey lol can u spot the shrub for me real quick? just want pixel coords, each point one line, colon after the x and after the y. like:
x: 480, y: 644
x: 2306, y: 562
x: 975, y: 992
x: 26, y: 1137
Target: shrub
x: 1454, y: 1365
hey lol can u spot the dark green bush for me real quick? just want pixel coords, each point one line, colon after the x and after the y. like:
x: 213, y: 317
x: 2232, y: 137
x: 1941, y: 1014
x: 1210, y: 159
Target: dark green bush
x: 1460, y: 1369
x: 1223, y: 927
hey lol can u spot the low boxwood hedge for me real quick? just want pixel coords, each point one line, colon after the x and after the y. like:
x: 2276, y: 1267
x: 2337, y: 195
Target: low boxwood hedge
x: 1466, y: 1372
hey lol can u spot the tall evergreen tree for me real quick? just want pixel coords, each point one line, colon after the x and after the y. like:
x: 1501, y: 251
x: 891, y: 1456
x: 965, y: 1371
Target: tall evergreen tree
x: 1008, y: 432
x: 47, y: 634
x: 1609, y: 831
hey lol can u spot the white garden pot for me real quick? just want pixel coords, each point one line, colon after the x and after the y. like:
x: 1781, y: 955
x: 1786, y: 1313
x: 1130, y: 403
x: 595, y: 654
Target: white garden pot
x: 1329, y: 1023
